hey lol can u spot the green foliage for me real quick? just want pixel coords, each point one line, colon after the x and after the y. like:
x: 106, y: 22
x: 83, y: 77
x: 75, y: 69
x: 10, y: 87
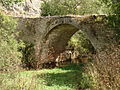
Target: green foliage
x: 80, y: 43
x: 113, y: 5
x: 113, y: 19
x: 64, y: 7
x: 80, y: 7
x: 113, y: 22
x: 51, y: 8
x: 9, y: 55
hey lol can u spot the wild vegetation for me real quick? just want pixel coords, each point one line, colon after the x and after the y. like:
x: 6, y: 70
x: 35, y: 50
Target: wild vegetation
x: 10, y: 57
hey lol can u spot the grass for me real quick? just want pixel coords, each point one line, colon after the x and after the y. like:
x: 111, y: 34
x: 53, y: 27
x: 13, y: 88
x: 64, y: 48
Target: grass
x: 70, y: 77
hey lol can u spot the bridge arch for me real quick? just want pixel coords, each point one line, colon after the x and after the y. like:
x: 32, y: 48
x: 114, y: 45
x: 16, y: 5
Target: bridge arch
x: 47, y: 33
x: 57, y: 37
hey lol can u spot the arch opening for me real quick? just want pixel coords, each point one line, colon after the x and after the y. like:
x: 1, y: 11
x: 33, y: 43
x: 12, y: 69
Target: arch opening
x: 57, y: 40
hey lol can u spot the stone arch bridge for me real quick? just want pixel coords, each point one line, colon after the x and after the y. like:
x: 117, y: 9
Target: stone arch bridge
x: 50, y: 34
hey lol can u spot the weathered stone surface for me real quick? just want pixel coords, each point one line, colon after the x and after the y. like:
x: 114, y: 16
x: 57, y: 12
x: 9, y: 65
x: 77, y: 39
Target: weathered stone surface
x: 51, y: 34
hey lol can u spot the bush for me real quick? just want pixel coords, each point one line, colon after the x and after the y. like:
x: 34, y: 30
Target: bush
x: 10, y: 57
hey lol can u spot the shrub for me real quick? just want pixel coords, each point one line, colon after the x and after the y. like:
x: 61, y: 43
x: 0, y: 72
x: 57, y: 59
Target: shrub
x: 10, y: 57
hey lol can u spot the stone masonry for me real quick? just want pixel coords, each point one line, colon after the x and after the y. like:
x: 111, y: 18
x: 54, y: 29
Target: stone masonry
x: 50, y: 34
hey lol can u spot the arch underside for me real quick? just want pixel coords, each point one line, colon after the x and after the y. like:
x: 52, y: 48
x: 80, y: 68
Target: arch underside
x: 57, y: 39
